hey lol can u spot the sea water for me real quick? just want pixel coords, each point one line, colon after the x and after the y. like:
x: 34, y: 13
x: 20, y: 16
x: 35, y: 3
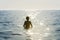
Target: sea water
x: 46, y: 25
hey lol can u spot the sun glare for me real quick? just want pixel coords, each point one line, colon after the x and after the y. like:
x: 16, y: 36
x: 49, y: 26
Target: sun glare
x: 29, y: 32
x: 41, y: 23
x: 47, y: 28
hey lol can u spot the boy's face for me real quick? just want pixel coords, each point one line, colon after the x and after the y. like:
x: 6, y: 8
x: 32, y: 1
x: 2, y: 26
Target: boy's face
x: 27, y: 19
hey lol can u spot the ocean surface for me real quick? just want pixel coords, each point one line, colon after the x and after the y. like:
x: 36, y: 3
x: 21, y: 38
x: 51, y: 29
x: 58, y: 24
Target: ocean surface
x: 46, y: 25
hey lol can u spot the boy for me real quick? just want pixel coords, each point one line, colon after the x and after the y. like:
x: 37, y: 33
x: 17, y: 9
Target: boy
x: 27, y: 24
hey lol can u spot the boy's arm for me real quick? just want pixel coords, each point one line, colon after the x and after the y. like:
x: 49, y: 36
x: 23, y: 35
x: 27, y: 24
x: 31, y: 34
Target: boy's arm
x: 31, y: 25
x: 24, y: 24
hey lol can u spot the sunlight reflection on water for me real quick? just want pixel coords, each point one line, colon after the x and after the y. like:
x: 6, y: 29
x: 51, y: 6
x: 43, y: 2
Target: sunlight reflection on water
x: 46, y: 25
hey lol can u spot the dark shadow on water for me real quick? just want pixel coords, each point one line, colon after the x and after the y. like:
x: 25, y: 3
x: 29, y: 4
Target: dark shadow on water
x: 6, y: 22
x: 16, y: 34
x: 58, y: 30
x: 5, y: 35
x: 56, y: 24
x: 8, y: 34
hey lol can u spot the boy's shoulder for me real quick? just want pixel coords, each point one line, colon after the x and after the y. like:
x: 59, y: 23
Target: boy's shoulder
x: 27, y: 21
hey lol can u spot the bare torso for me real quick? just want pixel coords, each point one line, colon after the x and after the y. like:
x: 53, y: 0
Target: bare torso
x: 27, y: 24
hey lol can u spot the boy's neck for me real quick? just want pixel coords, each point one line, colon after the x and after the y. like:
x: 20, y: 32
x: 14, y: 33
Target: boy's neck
x: 27, y: 20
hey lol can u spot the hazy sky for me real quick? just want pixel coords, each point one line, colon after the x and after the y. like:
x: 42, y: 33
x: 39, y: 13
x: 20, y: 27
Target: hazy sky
x: 29, y: 4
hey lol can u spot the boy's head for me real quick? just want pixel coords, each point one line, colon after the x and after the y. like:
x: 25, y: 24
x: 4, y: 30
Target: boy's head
x: 27, y: 18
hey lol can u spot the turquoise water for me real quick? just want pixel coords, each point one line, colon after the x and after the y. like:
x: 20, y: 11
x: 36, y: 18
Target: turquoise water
x: 46, y: 25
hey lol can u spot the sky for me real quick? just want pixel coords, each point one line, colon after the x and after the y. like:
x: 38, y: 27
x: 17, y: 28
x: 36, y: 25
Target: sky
x: 30, y: 4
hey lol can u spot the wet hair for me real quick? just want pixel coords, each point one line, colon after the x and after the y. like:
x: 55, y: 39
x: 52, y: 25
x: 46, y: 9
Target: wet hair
x: 27, y: 17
